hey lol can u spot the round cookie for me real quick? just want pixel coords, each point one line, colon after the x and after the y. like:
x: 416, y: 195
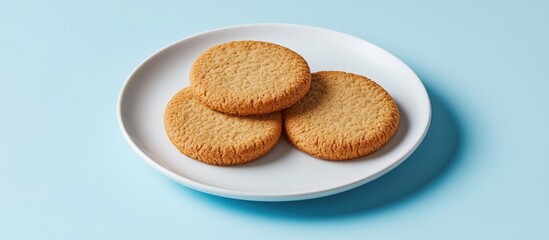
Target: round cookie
x: 216, y: 138
x: 249, y: 77
x: 344, y: 116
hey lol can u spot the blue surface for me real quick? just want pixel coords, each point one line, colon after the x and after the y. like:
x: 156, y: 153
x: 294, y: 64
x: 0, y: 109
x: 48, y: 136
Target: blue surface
x: 67, y: 173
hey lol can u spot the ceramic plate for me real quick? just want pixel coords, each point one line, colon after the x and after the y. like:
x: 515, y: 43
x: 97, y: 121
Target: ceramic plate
x: 285, y: 173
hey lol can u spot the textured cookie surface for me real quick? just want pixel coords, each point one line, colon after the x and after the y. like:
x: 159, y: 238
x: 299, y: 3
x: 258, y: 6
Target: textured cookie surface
x: 216, y: 138
x: 249, y: 77
x: 344, y: 116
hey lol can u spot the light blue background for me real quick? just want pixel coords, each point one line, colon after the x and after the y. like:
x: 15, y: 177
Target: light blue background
x: 67, y: 173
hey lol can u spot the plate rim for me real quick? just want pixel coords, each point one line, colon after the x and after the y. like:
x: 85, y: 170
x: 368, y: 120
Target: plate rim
x: 249, y: 195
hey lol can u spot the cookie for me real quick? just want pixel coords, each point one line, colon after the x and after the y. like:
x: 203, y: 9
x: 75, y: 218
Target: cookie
x: 344, y: 116
x: 216, y: 138
x: 249, y: 78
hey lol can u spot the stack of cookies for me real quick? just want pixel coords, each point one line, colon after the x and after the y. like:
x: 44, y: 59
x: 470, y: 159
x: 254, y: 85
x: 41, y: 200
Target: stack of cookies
x: 244, y: 93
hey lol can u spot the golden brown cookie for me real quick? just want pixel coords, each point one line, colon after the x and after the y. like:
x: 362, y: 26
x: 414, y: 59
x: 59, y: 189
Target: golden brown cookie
x: 249, y: 77
x: 344, y: 116
x: 216, y: 138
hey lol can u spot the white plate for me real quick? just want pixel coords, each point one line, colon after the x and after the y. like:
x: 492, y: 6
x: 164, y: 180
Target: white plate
x: 285, y: 173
